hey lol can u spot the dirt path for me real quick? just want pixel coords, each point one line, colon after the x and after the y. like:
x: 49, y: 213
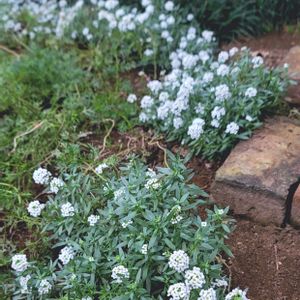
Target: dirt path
x: 267, y: 261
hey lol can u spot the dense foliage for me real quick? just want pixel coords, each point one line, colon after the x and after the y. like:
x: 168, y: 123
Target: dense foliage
x: 72, y: 69
x: 126, y: 232
x: 210, y: 103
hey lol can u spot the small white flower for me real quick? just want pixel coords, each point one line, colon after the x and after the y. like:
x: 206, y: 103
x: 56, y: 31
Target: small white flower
x: 93, y: 219
x: 207, y: 35
x: 178, y: 291
x: 66, y: 254
x: 176, y: 219
x: 119, y: 193
x: 222, y: 92
x: 126, y: 224
x: 208, y: 77
x: 220, y: 283
x: 144, y: 249
x: 209, y: 294
x: 148, y: 52
x: 85, y: 31
x: 41, y: 176
x: 218, y: 112
x: 35, y: 208
x: 55, y: 185
x: 155, y: 86
x: 131, y: 98
x: 196, y: 129
x: 223, y: 70
x: 147, y: 102
x: 233, y: 51
x: 232, y: 128
x: 67, y: 210
x: 237, y: 294
x: 86, y: 298
x: 100, y: 168
x: 119, y: 273
x: 24, y: 283
x: 179, y: 261
x: 251, y: 92
x: 203, y: 224
x: 223, y: 57
x: 215, y: 123
x: 190, y: 17
x: 203, y: 56
x: 19, y: 262
x: 143, y: 117
x: 150, y: 173
x: 177, y: 122
x: 199, y: 109
x: 152, y: 183
x: 249, y: 118
x: 169, y: 5
x: 44, y: 287
x: 257, y: 61
x: 194, y: 279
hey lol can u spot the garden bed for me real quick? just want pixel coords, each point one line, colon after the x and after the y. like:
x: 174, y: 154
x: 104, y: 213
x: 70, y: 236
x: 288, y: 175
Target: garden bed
x: 99, y: 200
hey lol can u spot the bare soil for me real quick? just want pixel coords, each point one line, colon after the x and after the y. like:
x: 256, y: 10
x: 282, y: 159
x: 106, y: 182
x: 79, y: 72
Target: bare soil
x: 272, y: 46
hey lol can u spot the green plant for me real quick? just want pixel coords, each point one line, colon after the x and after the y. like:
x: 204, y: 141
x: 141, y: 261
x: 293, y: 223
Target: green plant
x: 209, y: 102
x: 129, y: 217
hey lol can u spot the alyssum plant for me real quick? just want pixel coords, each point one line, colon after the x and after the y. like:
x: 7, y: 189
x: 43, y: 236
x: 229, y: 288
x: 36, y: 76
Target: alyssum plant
x: 126, y: 232
x: 210, y: 102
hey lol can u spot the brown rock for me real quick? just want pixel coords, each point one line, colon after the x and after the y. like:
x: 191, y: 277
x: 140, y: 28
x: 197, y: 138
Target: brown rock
x: 255, y: 178
x: 296, y: 208
x: 293, y: 60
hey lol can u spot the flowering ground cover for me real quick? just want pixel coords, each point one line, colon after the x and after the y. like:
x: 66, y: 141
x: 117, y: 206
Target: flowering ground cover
x: 109, y: 227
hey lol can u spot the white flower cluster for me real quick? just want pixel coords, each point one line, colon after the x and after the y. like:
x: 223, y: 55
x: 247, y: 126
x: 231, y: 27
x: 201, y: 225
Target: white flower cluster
x: 179, y: 261
x: 93, y: 219
x: 55, y: 185
x: 24, y: 283
x: 232, y: 128
x: 203, y: 98
x: 144, y: 249
x: 209, y: 294
x: 67, y: 210
x: 41, y: 176
x: 237, y: 294
x: 152, y: 183
x: 66, y: 254
x: 119, y: 193
x: 19, y: 262
x: 44, y: 287
x: 119, y: 273
x: 196, y: 129
x: 251, y: 92
x: 131, y: 98
x: 177, y: 218
x: 58, y: 18
x: 100, y: 168
x: 178, y: 291
x: 194, y: 278
x: 35, y: 208
x: 126, y: 223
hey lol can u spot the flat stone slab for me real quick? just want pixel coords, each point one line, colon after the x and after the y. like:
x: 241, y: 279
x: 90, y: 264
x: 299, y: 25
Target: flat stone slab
x: 293, y: 60
x: 255, y: 179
